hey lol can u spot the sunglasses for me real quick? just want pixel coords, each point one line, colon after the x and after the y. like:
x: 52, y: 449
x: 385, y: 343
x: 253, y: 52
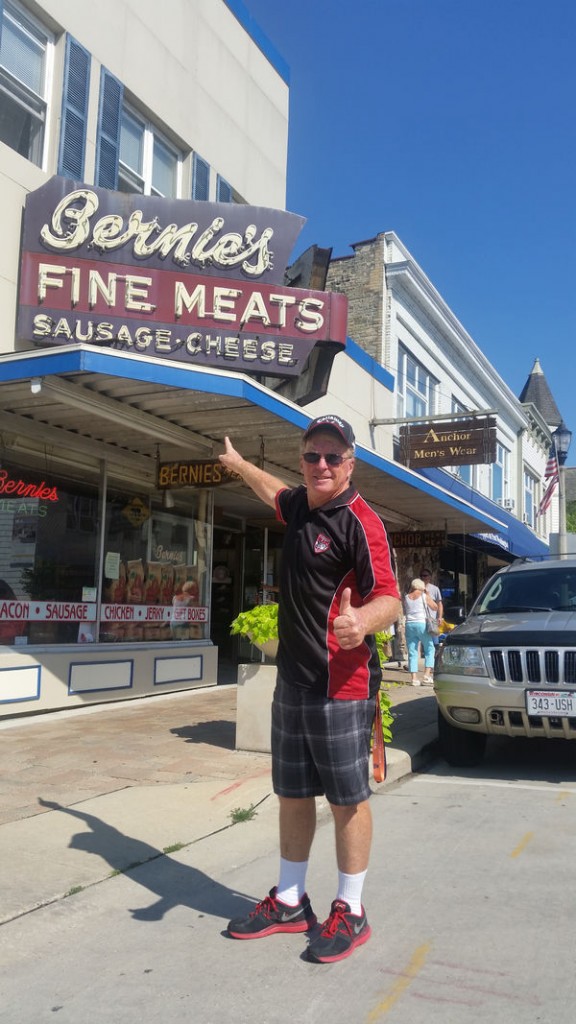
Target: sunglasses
x: 331, y: 459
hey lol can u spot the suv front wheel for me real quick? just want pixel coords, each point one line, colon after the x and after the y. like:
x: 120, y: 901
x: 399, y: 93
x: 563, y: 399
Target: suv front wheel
x: 460, y: 747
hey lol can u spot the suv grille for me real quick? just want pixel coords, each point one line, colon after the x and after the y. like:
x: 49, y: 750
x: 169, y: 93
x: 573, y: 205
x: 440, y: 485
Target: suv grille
x: 524, y: 665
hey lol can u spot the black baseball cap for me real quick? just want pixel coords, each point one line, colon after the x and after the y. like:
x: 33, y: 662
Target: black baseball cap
x: 335, y: 423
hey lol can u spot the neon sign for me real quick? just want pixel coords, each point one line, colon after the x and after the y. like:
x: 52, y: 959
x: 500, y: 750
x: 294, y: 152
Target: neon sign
x: 197, y: 282
x: 21, y: 489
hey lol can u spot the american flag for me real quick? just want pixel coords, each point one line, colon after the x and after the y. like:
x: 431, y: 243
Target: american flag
x: 551, y: 474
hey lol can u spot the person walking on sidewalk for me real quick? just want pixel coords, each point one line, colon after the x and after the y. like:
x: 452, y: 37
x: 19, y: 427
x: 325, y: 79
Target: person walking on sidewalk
x: 436, y: 594
x: 415, y: 602
x: 336, y: 590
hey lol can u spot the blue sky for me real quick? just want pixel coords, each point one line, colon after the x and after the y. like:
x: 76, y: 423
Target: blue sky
x: 452, y: 123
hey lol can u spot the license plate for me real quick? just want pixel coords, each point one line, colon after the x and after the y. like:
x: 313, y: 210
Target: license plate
x: 549, y: 703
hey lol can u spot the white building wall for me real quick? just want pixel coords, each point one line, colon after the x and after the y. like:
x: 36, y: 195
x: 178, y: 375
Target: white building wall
x: 190, y: 67
x: 393, y: 304
x: 356, y: 393
x: 447, y: 355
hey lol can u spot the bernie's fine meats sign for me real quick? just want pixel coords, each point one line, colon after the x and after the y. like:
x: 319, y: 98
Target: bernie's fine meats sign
x: 196, y: 282
x: 461, y: 443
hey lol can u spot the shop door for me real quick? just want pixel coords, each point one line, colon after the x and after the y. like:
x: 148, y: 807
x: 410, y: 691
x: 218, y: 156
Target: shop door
x: 226, y: 589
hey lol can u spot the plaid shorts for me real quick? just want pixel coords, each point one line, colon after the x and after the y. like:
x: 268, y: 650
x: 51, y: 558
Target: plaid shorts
x: 320, y: 745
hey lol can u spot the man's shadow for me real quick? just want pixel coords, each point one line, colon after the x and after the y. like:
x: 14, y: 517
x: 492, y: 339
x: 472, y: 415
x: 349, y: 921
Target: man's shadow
x: 175, y: 884
x: 217, y: 733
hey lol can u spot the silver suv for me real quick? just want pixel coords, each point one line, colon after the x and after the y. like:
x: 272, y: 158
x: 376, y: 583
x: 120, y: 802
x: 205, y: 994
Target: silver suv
x: 510, y: 668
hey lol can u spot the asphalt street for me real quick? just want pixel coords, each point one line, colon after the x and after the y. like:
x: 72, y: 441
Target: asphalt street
x: 470, y: 924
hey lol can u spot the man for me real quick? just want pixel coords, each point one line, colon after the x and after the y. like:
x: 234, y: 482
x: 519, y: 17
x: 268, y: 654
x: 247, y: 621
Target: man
x: 336, y: 590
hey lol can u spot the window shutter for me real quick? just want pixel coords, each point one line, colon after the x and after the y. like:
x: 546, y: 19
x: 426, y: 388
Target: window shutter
x: 108, y: 134
x: 224, y: 191
x: 200, y: 179
x: 74, y: 111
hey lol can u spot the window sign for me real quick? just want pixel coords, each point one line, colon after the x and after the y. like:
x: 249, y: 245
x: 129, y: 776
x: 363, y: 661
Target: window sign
x: 112, y: 565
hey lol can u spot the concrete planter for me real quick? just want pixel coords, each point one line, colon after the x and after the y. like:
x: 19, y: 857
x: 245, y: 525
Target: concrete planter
x: 253, y: 707
x: 269, y: 647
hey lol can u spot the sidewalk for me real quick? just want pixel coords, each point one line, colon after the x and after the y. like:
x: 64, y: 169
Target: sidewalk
x: 124, y: 783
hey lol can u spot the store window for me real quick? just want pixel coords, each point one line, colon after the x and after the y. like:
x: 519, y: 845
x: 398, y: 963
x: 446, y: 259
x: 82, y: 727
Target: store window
x: 48, y: 558
x: 156, y: 570
x: 530, y: 489
x: 416, y: 387
x: 501, y: 475
x: 148, y: 163
x: 25, y: 55
x: 154, y: 564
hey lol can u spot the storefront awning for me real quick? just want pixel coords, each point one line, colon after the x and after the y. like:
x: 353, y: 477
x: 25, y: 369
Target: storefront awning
x: 128, y: 408
x: 517, y: 540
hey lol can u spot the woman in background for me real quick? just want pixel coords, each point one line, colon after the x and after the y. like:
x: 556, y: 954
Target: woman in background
x: 415, y: 602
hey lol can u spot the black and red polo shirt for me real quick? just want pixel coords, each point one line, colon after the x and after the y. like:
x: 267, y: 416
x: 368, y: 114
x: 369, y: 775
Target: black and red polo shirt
x: 340, y: 544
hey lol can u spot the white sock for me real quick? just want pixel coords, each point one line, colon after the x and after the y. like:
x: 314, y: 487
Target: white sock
x: 292, y: 884
x: 350, y: 890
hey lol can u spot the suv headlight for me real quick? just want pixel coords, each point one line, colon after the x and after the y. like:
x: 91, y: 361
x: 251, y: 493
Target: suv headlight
x: 461, y: 661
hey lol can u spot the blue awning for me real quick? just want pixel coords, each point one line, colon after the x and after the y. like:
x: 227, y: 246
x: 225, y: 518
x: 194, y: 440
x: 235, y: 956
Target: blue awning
x: 517, y: 541
x: 92, y: 383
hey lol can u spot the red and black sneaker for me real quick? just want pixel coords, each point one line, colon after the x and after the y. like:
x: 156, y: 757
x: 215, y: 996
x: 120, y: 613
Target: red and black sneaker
x: 340, y: 934
x: 271, y: 915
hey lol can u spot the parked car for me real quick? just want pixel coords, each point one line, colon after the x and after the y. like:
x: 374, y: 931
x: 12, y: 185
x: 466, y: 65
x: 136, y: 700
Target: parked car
x: 510, y: 668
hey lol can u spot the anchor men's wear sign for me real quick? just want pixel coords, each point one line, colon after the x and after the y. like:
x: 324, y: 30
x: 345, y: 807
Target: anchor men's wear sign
x: 176, y: 279
x: 458, y: 443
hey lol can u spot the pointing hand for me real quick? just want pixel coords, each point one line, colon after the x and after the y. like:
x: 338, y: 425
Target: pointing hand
x: 230, y: 458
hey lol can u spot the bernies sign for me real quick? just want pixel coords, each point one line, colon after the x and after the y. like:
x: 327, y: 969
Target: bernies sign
x: 192, y: 281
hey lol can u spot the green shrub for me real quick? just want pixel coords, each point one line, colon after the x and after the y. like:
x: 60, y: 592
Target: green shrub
x: 259, y: 624
x: 387, y: 717
x: 382, y: 640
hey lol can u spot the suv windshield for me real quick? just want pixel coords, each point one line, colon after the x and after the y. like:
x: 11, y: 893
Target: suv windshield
x: 549, y: 589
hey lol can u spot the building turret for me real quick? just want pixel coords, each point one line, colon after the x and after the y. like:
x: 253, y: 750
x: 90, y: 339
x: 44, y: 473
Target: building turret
x: 537, y: 392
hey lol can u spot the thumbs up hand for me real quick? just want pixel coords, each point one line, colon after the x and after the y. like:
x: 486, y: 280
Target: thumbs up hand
x: 348, y: 628
x: 345, y: 602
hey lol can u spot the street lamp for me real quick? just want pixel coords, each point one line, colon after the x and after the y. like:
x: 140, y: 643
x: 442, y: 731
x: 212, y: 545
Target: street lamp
x: 562, y: 438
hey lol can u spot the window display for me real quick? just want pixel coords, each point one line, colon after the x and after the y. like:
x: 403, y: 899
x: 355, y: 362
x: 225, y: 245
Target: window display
x: 154, y: 564
x: 48, y: 545
x: 155, y: 572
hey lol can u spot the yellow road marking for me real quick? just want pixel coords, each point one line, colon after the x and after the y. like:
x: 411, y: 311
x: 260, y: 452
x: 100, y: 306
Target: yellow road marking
x: 522, y: 844
x: 562, y: 795
x: 412, y: 971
